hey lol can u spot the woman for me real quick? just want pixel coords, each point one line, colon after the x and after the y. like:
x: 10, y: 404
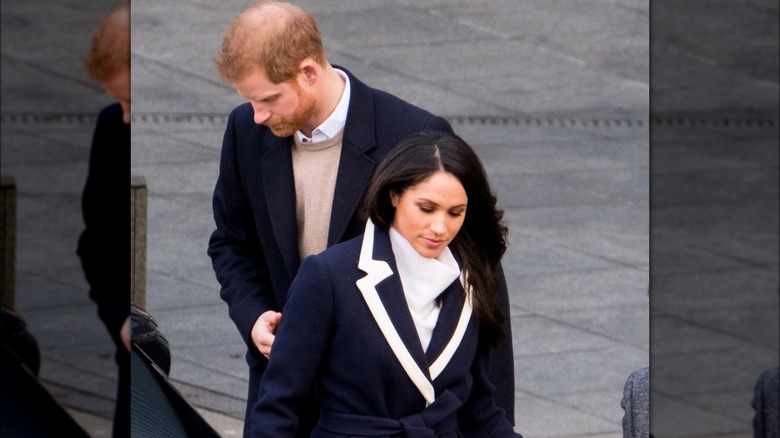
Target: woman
x: 382, y: 326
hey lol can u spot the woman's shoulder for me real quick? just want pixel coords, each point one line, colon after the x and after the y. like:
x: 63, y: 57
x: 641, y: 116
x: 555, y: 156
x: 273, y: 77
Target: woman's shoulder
x: 339, y: 255
x: 332, y: 267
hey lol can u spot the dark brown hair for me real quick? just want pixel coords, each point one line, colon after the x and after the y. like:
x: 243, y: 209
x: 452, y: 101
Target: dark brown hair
x: 481, y: 241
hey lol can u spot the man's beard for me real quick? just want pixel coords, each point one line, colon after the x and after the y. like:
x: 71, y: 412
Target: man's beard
x: 287, y: 126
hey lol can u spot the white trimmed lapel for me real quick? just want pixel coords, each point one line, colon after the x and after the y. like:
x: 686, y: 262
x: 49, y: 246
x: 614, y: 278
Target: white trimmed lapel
x: 451, y: 307
x: 443, y: 360
x: 378, y: 270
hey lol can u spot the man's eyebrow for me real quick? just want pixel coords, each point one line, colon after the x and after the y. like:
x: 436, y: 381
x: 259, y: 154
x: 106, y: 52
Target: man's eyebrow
x: 263, y: 98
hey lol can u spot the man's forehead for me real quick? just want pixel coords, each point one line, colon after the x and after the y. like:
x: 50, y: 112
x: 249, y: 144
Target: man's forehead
x: 256, y: 85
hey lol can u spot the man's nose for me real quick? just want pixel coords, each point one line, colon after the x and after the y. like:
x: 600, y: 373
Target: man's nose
x: 261, y: 113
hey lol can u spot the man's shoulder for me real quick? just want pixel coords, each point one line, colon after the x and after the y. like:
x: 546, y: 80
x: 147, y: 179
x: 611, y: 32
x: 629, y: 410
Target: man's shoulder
x: 110, y: 129
x: 387, y: 102
x: 243, y: 115
x: 243, y: 129
x: 382, y: 100
x: 111, y: 115
x: 112, y: 110
x: 392, y: 118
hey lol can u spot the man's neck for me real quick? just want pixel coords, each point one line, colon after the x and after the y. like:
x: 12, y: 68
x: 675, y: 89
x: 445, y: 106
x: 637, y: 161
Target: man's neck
x: 330, y: 90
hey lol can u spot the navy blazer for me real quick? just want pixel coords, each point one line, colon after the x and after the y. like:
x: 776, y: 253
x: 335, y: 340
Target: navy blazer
x: 329, y: 336
x: 104, y: 245
x: 254, y: 249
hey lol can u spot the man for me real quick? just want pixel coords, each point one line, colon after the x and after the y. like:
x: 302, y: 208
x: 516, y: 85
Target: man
x: 104, y: 246
x: 295, y: 162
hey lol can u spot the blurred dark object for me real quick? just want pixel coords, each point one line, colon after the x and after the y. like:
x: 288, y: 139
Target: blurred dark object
x: 636, y: 404
x: 766, y: 402
x: 27, y: 409
x: 14, y: 335
x: 147, y: 336
x: 7, y: 241
x: 158, y: 409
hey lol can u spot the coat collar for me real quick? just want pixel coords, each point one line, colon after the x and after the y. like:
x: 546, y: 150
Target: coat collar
x: 355, y: 165
x: 355, y: 169
x: 280, y: 198
x: 388, y: 306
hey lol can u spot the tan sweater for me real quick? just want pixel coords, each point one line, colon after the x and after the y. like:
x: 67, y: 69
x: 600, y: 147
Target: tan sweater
x: 315, y: 166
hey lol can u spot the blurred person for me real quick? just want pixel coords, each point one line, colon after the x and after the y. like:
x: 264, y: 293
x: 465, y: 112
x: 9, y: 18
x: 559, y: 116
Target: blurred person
x: 766, y: 404
x: 636, y: 404
x: 395, y: 327
x: 294, y: 166
x: 104, y: 245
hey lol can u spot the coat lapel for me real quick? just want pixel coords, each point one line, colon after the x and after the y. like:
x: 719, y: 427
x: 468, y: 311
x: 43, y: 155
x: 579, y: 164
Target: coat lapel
x: 447, y: 321
x: 394, y: 301
x: 393, y: 298
x: 456, y: 335
x: 280, y: 196
x: 376, y: 271
x: 355, y: 166
x: 383, y: 293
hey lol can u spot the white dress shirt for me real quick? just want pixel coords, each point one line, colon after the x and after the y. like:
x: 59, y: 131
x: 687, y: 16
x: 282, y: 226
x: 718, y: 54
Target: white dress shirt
x: 337, y: 119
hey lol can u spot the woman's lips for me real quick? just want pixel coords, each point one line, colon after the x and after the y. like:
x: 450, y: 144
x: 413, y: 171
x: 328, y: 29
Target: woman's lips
x: 433, y: 242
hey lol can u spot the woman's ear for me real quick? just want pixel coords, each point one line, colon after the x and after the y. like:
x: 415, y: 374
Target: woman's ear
x: 394, y: 197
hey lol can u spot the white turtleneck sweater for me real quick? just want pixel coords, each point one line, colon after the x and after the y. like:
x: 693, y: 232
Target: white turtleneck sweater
x: 423, y: 279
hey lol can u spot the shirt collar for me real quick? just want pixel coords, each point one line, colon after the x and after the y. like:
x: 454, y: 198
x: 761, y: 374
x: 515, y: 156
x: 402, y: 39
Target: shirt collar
x: 337, y: 119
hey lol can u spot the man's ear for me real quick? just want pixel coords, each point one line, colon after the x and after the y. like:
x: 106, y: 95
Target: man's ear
x: 309, y: 70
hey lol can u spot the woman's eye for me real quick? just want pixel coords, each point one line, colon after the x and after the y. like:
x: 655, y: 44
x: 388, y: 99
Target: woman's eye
x: 426, y: 209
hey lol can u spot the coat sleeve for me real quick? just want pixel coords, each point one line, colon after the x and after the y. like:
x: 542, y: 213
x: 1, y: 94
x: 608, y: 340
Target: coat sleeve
x: 436, y: 123
x: 234, y: 247
x: 104, y: 245
x: 480, y: 416
x: 302, y: 338
x: 502, y: 370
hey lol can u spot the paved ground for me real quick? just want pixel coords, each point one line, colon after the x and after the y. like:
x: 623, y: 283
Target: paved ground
x: 714, y: 197
x: 552, y: 94
x: 576, y: 195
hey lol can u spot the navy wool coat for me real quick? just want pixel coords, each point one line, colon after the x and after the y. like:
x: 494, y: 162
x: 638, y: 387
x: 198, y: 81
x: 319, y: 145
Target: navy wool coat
x: 254, y: 249
x: 345, y: 310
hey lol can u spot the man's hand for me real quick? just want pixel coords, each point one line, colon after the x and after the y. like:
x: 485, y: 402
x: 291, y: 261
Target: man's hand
x: 263, y: 331
x: 124, y: 333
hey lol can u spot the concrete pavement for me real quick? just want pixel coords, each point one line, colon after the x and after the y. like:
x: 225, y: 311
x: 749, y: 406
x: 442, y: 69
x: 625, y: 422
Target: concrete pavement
x: 554, y: 97
x: 562, y: 129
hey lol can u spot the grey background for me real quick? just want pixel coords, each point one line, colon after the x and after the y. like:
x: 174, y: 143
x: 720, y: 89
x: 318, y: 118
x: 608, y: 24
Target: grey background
x: 554, y: 96
x: 714, y: 216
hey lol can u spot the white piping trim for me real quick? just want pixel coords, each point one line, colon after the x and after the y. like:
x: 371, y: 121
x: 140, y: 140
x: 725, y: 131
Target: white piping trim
x: 378, y: 270
x: 457, y: 336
